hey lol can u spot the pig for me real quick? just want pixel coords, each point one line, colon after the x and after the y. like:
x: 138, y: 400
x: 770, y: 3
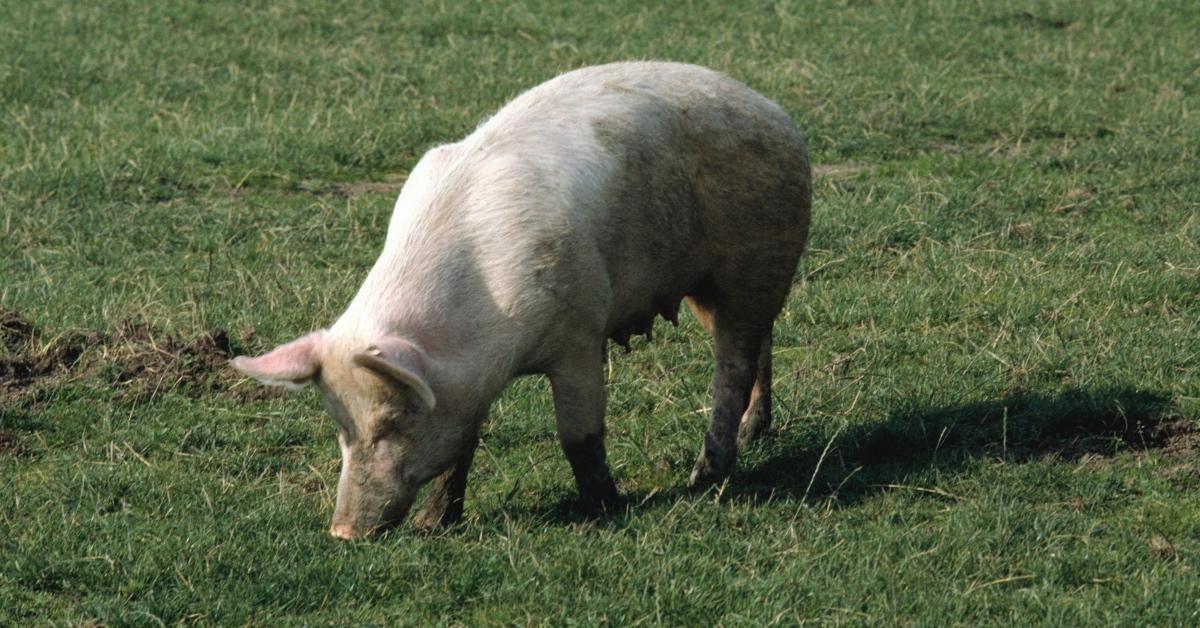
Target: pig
x: 579, y: 212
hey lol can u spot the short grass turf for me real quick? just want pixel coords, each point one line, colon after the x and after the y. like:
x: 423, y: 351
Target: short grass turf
x: 986, y: 376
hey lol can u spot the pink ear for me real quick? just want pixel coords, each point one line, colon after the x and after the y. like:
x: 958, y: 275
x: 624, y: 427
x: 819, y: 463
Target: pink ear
x: 292, y: 365
x: 399, y: 360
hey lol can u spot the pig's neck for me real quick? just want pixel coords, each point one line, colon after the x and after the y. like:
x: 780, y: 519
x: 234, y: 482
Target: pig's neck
x: 457, y: 272
x: 438, y: 299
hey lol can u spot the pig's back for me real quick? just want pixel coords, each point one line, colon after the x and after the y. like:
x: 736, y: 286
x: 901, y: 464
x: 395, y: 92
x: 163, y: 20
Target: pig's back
x: 653, y: 175
x: 589, y: 204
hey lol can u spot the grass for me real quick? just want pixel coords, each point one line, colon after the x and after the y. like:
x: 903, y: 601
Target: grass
x: 986, y: 376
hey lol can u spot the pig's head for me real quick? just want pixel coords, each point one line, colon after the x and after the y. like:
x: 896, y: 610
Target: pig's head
x: 380, y: 395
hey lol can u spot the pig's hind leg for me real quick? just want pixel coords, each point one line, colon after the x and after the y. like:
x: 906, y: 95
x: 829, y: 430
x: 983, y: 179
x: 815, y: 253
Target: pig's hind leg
x: 578, y: 385
x: 739, y: 308
x: 736, y: 356
x: 756, y: 421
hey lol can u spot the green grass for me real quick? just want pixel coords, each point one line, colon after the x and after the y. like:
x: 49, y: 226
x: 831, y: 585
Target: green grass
x: 986, y: 377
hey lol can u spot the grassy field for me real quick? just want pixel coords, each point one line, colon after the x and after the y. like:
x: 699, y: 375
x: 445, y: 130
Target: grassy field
x: 986, y: 377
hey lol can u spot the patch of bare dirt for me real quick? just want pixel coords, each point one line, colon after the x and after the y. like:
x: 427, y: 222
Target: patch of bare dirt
x: 1180, y: 438
x: 15, y: 332
x: 141, y: 362
x: 9, y: 444
x: 1088, y: 427
x: 138, y: 361
x: 26, y: 359
x: 1172, y: 438
x: 1177, y: 442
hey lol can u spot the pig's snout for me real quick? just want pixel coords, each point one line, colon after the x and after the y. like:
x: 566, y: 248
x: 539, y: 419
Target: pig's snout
x: 348, y: 531
x: 343, y: 531
x: 373, y: 493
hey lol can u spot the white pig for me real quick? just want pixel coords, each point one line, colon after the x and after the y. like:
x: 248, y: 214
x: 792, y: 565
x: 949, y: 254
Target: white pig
x: 580, y: 211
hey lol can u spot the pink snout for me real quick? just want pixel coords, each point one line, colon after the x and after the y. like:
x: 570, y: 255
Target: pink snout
x: 343, y: 531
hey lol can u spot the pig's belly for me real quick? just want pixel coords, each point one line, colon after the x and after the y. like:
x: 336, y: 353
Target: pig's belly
x: 657, y: 292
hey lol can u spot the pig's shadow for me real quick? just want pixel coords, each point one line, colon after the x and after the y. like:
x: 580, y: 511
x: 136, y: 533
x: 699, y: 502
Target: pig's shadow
x: 863, y: 460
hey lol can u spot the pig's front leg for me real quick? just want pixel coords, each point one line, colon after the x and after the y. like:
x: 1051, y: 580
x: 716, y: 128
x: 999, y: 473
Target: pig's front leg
x: 578, y: 385
x: 444, y: 505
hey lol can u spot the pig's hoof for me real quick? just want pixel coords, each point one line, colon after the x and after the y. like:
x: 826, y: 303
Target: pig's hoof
x: 605, y: 508
x: 437, y: 516
x: 752, y: 430
x: 602, y: 510
x: 601, y: 501
x: 708, y: 472
x: 429, y: 521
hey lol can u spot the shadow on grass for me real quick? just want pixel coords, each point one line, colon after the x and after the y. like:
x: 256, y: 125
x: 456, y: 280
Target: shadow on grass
x: 864, y: 460
x: 1069, y: 426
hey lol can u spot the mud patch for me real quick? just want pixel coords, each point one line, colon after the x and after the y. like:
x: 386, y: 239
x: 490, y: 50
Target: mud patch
x: 15, y: 332
x: 9, y: 444
x: 1180, y: 438
x: 1177, y: 442
x: 24, y: 367
x: 1100, y: 428
x: 135, y: 359
x: 1174, y: 438
x: 141, y: 362
x: 26, y: 359
x: 1072, y: 426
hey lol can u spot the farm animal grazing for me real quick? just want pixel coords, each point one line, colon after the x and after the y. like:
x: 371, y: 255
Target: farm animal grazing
x: 580, y: 211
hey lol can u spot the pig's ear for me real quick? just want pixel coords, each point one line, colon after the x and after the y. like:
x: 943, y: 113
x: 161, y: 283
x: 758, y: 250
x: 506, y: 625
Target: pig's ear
x: 400, y: 360
x: 292, y: 365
